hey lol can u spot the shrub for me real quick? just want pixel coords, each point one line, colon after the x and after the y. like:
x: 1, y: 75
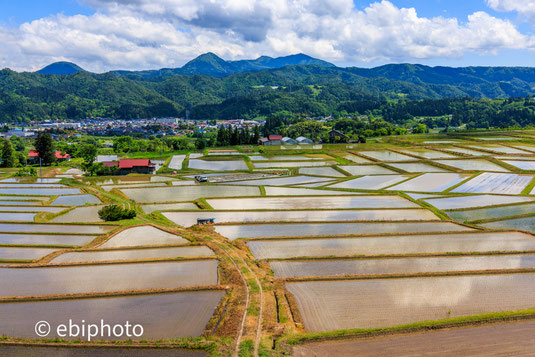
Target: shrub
x: 115, y: 213
x: 27, y: 171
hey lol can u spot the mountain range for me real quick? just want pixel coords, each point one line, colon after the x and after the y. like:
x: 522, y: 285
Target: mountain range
x: 210, y: 87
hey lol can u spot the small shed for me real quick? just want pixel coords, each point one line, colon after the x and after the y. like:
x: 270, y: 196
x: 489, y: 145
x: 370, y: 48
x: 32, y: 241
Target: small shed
x: 288, y: 141
x: 336, y: 136
x: 304, y: 141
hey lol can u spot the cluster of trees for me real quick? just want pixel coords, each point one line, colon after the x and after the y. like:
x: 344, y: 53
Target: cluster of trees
x: 228, y: 136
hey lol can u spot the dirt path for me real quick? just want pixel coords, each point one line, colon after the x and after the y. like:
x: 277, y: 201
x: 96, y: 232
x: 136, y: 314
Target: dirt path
x: 247, y: 299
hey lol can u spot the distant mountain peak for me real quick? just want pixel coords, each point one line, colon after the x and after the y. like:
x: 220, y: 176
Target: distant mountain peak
x: 61, y: 68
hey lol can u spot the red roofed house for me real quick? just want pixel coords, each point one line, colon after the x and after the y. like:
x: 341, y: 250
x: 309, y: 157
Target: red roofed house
x: 129, y: 166
x: 271, y: 140
x: 33, y: 157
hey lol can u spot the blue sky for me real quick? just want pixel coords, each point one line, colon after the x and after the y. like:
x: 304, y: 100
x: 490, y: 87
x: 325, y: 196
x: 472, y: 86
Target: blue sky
x: 101, y: 35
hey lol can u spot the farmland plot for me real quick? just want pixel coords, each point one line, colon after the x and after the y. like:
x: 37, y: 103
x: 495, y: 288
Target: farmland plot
x: 168, y: 206
x: 321, y: 171
x: 162, y: 316
x: 491, y: 213
x: 371, y: 182
x: 106, y: 278
x: 133, y: 254
x: 17, y: 217
x: 465, y: 151
x: 45, y: 239
x: 428, y: 154
x: 417, y: 167
x: 495, y: 183
x: 291, y: 191
x: 523, y: 165
x: 176, y: 162
x: 187, y: 219
x: 525, y: 224
x: 75, y: 200
x: 54, y: 228
x: 367, y: 170
x: 24, y: 253
x: 475, y: 201
x: 405, y: 244
x: 385, y: 155
x: 140, y: 236
x: 473, y: 165
x: 356, y: 159
x: 80, y: 214
x: 39, y: 191
x: 327, y: 229
x: 290, y: 203
x: 187, y: 193
x: 431, y: 182
x: 217, y: 165
x: 268, y: 165
x: 500, y: 149
x: 336, y: 305
x: 279, y: 181
x: 291, y: 269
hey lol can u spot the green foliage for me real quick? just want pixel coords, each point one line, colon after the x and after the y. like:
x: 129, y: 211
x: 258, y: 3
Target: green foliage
x: 115, y: 213
x: 8, y: 156
x: 26, y: 172
x: 44, y: 145
x: 88, y: 152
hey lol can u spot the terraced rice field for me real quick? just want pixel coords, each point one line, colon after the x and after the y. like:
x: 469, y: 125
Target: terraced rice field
x: 106, y: 278
x: 291, y: 191
x: 390, y: 245
x: 525, y: 224
x: 279, y: 181
x: 371, y: 182
x: 367, y: 170
x: 428, y: 154
x: 39, y: 191
x: 75, y: 200
x: 523, y: 165
x: 292, y: 269
x: 337, y: 305
x: 142, y: 236
x: 291, y: 203
x: 46, y: 239
x: 217, y: 165
x: 133, y: 254
x: 384, y: 155
x: 473, y: 165
x: 162, y: 315
x: 491, y: 213
x: 168, y: 206
x: 54, y: 228
x: 187, y: 219
x: 327, y: 229
x: 321, y: 171
x: 417, y: 167
x: 24, y: 253
x: 475, y: 201
x: 267, y: 165
x: 431, y: 182
x: 80, y: 214
x: 507, y: 184
x: 186, y: 193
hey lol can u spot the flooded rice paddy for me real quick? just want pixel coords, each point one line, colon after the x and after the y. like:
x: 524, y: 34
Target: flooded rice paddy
x: 367, y: 170
x: 431, y: 182
x: 321, y: 171
x: 176, y: 162
x: 133, y: 254
x: 291, y: 191
x: 280, y: 181
x: 488, y: 182
x: 168, y: 206
x: 213, y: 165
x: 141, y: 236
x: 473, y: 165
x: 371, y: 182
x: 187, y: 193
x: 330, y: 202
x: 385, y: 155
x: 475, y: 201
x: 523, y: 165
x: 24, y: 253
x: 292, y: 269
x: 106, y: 278
x: 54, y: 228
x: 427, y: 154
x: 162, y: 315
x: 339, y: 305
x: 267, y: 165
x: 45, y: 239
x: 327, y: 229
x: 39, y: 191
x: 356, y: 159
x: 525, y: 224
x: 405, y: 244
x: 80, y: 214
x: 187, y: 219
x: 417, y: 167
x: 75, y: 200
x: 491, y: 213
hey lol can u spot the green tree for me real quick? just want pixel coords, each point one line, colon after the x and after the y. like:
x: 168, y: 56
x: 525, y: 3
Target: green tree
x: 44, y: 145
x: 88, y: 152
x: 8, y: 156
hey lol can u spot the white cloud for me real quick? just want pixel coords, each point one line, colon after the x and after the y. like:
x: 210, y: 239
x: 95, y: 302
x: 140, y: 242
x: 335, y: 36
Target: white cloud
x: 524, y: 8
x: 141, y: 34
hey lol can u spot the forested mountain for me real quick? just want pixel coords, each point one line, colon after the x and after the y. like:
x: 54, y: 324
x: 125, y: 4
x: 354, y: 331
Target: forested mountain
x: 61, y: 68
x: 303, y: 89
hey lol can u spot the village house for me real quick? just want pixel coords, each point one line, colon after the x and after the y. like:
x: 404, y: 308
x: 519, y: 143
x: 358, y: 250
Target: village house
x: 130, y: 166
x: 33, y: 157
x: 271, y: 140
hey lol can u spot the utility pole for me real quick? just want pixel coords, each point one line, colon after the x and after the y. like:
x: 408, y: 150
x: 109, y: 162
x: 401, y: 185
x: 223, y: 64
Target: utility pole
x: 40, y: 169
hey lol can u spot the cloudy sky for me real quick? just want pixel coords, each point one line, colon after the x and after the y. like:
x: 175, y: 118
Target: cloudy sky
x: 100, y: 35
